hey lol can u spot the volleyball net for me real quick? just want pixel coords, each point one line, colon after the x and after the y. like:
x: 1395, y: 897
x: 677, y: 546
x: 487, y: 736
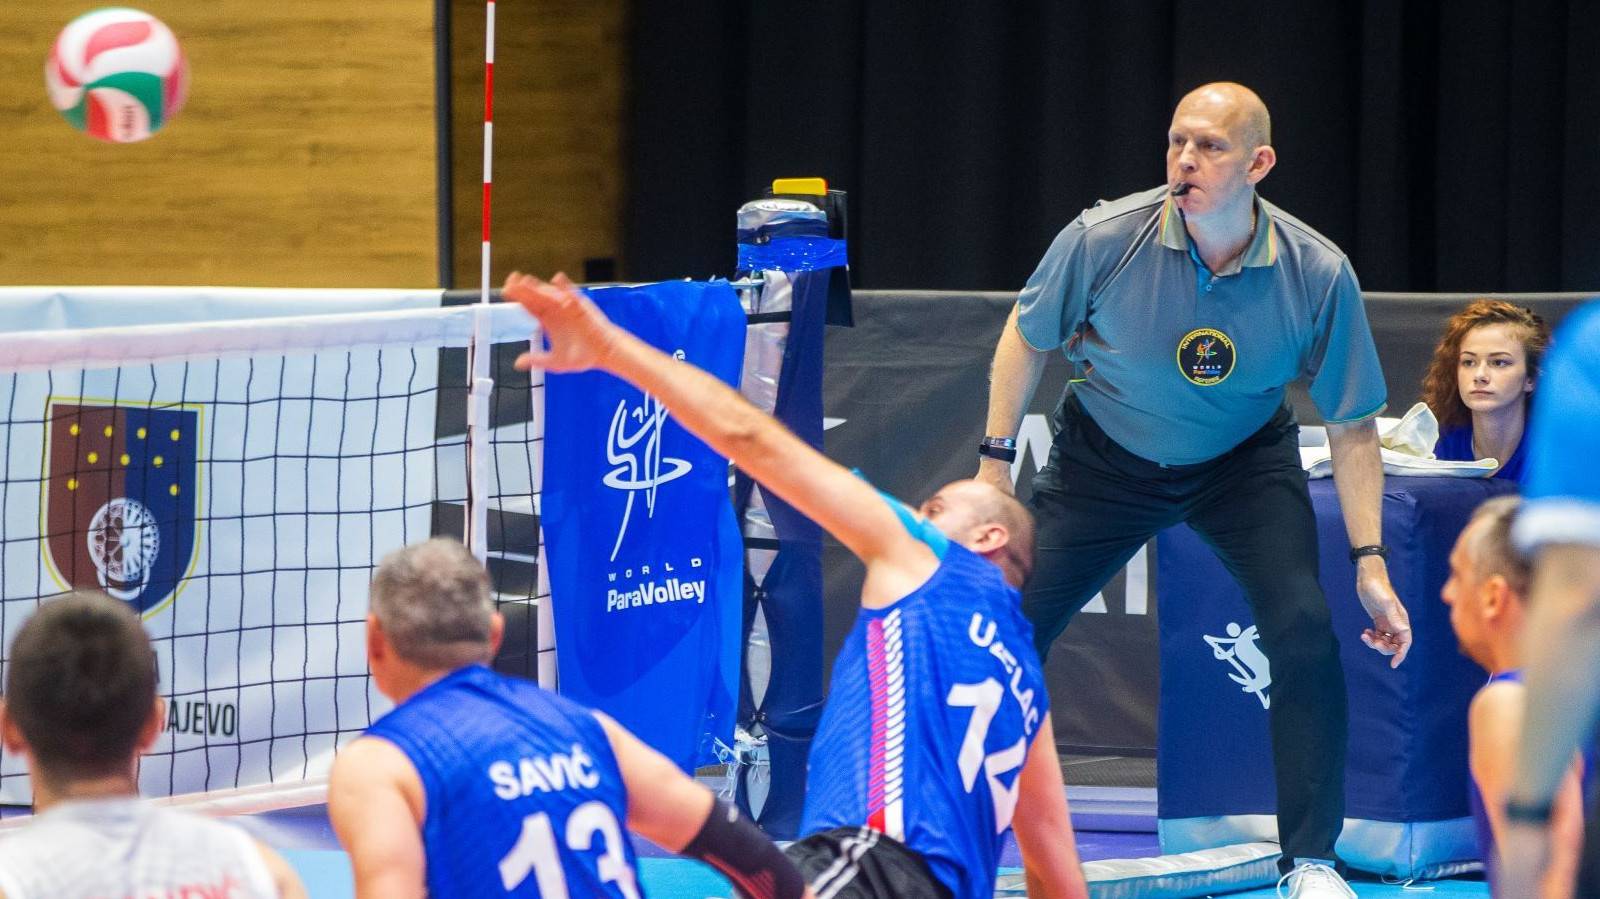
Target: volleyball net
x: 236, y: 482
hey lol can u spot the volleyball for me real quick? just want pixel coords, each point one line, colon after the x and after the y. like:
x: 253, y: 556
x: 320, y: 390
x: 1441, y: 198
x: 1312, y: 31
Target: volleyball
x: 117, y: 74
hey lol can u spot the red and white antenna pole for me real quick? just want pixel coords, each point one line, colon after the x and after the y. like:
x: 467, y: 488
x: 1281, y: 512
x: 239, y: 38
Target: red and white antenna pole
x: 488, y: 138
x: 477, y: 518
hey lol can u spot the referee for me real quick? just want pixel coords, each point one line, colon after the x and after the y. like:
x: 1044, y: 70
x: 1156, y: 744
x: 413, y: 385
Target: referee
x: 1191, y: 307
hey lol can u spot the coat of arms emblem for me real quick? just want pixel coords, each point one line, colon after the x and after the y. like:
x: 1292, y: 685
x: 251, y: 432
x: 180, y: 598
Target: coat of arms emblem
x: 121, y: 497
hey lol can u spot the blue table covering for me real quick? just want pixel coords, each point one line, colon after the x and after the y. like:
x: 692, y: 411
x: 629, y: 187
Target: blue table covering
x: 1408, y: 747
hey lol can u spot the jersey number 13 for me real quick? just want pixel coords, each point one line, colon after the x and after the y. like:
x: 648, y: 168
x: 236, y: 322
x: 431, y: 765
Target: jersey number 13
x: 535, y: 852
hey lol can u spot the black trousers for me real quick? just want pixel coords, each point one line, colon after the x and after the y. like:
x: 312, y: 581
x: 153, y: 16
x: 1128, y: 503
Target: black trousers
x: 1097, y: 504
x: 861, y: 863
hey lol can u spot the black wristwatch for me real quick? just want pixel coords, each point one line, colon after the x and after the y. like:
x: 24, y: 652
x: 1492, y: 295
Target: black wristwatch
x: 1371, y: 549
x: 1002, y: 448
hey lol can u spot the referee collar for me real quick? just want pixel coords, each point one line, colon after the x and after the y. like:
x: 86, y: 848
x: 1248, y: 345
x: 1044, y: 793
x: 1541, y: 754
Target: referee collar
x: 1263, y: 249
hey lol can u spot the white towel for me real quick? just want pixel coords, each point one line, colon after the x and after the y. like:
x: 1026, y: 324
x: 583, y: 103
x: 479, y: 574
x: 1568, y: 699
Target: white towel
x: 1406, y: 446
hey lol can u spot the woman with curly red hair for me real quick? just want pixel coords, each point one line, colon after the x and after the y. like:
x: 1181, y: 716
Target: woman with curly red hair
x: 1481, y: 380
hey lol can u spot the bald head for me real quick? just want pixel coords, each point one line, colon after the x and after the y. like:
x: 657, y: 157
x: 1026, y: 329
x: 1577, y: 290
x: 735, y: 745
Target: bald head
x: 966, y: 511
x: 1235, y: 106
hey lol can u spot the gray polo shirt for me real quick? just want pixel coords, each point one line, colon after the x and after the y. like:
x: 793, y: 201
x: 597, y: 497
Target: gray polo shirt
x: 1183, y: 364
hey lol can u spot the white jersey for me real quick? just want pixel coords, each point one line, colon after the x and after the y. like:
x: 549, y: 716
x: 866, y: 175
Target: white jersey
x: 128, y: 849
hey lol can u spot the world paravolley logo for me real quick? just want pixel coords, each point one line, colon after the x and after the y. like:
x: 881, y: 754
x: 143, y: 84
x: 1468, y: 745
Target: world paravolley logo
x: 639, y: 468
x: 121, y: 498
x: 1206, y: 357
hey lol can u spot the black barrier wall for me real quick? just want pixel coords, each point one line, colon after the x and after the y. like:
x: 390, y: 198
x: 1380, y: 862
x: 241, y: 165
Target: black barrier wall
x: 905, y: 393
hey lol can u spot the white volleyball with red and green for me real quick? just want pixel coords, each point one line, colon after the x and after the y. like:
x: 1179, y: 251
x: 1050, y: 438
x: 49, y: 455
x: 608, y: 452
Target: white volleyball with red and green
x: 117, y: 74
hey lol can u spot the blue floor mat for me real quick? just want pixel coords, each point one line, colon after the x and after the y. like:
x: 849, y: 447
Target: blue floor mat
x: 326, y: 874
x: 1425, y: 889
x: 306, y: 840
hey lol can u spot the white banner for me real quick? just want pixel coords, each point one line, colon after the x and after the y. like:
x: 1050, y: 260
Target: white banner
x: 239, y: 505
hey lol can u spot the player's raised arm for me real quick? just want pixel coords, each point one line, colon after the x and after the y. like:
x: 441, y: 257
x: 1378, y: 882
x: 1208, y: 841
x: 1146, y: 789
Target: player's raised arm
x: 581, y: 338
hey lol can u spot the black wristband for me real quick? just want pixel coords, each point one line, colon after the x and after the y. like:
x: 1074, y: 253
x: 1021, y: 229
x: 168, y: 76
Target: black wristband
x: 729, y: 842
x: 1371, y: 549
x: 993, y: 451
x: 1528, y: 812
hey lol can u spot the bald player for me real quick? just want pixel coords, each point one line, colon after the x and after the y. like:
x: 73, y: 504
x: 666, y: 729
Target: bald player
x: 1191, y: 307
x: 1487, y: 595
x: 81, y: 704
x: 936, y: 737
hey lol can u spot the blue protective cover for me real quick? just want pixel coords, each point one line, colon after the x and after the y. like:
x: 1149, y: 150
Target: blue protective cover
x: 790, y: 594
x: 1407, y: 760
x: 645, y: 558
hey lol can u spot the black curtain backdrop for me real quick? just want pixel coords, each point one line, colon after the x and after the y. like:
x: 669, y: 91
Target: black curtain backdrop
x: 1446, y: 146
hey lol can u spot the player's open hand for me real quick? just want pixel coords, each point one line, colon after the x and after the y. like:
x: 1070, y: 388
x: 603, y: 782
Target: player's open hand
x: 578, y: 334
x: 1390, y: 633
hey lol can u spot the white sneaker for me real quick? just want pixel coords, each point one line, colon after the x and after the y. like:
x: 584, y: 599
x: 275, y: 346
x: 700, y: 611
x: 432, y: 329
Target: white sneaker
x: 1310, y: 880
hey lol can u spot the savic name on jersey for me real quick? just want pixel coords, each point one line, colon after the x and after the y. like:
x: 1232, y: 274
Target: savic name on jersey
x: 529, y: 775
x: 544, y: 774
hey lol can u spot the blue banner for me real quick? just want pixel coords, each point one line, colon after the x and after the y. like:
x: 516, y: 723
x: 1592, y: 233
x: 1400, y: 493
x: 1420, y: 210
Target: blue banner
x: 645, y: 558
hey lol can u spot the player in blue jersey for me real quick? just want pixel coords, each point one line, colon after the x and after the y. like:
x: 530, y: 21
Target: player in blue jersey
x: 1560, y: 528
x: 482, y: 785
x: 1486, y: 593
x: 936, y: 738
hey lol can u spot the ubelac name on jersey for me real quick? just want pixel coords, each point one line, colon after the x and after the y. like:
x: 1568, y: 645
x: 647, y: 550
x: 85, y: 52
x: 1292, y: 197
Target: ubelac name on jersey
x: 638, y: 594
x: 984, y: 638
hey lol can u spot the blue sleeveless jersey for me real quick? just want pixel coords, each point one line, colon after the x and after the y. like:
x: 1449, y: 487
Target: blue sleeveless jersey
x: 524, y: 794
x: 1480, y: 815
x: 932, y: 708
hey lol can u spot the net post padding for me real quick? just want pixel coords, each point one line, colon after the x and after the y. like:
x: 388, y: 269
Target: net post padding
x: 478, y: 442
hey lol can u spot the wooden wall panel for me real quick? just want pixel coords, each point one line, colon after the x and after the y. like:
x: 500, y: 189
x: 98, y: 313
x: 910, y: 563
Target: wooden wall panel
x: 305, y: 155
x: 560, y: 75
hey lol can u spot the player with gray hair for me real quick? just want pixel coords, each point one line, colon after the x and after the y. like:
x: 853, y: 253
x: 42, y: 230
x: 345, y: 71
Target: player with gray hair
x: 480, y: 784
x: 1487, y: 593
x: 1560, y: 530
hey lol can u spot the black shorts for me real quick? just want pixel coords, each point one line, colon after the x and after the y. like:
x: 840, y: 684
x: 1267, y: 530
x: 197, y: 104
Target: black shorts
x: 861, y: 863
